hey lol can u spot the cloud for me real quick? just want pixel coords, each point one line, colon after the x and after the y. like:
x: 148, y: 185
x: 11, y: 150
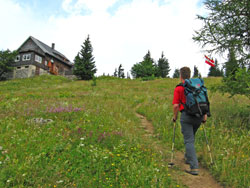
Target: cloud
x: 121, y: 31
x: 91, y: 6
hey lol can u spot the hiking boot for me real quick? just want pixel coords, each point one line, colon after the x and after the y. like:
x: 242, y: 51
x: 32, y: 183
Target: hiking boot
x: 194, y: 172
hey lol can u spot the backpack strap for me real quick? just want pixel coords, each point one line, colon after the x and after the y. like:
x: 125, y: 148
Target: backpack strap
x: 180, y: 84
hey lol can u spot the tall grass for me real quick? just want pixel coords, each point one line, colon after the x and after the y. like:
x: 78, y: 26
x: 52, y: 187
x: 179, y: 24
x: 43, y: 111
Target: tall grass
x: 93, y: 140
x: 228, y: 130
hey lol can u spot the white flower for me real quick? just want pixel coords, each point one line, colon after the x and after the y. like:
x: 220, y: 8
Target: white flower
x: 60, y: 181
x: 81, y: 145
x: 0, y: 162
x: 8, y: 181
x: 82, y: 138
x: 1, y: 148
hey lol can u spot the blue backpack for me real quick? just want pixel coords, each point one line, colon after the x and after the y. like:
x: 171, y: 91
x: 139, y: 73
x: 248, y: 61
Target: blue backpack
x: 197, y: 103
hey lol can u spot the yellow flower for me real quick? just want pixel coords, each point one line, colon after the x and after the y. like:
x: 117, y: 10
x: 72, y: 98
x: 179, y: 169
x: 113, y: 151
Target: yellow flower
x: 177, y: 186
x: 54, y: 185
x: 113, y: 164
x: 118, y: 155
x: 169, y: 174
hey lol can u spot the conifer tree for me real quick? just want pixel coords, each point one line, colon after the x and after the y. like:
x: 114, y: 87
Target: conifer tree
x: 215, y: 71
x: 145, y: 68
x: 232, y: 65
x: 121, y: 72
x: 163, y: 67
x: 115, y: 73
x: 226, y: 31
x: 128, y: 75
x: 176, y: 73
x: 196, y: 72
x: 84, y: 67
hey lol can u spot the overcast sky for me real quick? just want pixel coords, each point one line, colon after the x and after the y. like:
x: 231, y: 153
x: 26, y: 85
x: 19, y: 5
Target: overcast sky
x: 121, y: 31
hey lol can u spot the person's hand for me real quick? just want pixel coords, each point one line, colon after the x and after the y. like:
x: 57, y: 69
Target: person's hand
x: 174, y: 119
x: 204, y: 119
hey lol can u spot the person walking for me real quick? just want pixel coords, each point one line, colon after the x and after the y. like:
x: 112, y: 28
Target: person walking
x: 189, y: 123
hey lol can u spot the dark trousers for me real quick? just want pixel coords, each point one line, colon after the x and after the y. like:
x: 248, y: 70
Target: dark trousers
x: 189, y: 126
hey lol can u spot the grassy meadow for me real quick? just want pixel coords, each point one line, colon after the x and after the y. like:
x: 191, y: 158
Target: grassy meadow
x: 61, y: 133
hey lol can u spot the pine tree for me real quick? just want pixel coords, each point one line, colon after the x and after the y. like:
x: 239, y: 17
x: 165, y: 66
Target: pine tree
x: 226, y: 25
x: 215, y: 71
x: 163, y: 67
x: 146, y: 68
x: 232, y: 65
x: 196, y: 72
x: 84, y: 66
x: 226, y: 29
x: 128, y: 75
x: 121, y: 72
x: 176, y: 73
x: 115, y: 73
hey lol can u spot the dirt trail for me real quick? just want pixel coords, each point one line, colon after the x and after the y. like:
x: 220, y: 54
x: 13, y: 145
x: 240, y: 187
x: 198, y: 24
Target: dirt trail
x: 203, y: 180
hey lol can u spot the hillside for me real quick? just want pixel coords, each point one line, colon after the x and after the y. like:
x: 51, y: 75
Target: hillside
x: 61, y: 133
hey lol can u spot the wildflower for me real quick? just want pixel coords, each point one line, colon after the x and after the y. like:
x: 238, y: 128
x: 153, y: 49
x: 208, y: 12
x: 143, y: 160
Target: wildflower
x: 54, y: 185
x: 8, y: 181
x: 177, y: 186
x: 60, y: 181
x: 118, y: 155
x: 82, y: 138
x: 169, y: 174
x: 1, y: 148
x: 81, y: 145
x: 113, y: 164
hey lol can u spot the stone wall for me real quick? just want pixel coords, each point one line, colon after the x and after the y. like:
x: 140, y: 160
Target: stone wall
x: 24, y: 71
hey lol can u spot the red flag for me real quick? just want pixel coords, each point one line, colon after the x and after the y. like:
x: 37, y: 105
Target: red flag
x: 209, y: 61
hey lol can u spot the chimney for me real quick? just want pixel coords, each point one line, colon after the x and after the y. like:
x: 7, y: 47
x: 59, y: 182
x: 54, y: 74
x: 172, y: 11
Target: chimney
x: 53, y: 46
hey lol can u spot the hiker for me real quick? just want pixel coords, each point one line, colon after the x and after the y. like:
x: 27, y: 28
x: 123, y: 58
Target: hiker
x: 189, y: 123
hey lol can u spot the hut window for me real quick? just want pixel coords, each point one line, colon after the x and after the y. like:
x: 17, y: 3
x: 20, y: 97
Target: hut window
x: 17, y: 58
x: 26, y: 57
x: 38, y: 59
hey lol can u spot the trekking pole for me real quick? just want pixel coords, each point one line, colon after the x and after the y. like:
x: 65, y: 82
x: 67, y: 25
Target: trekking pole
x: 208, y: 147
x: 171, y: 164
